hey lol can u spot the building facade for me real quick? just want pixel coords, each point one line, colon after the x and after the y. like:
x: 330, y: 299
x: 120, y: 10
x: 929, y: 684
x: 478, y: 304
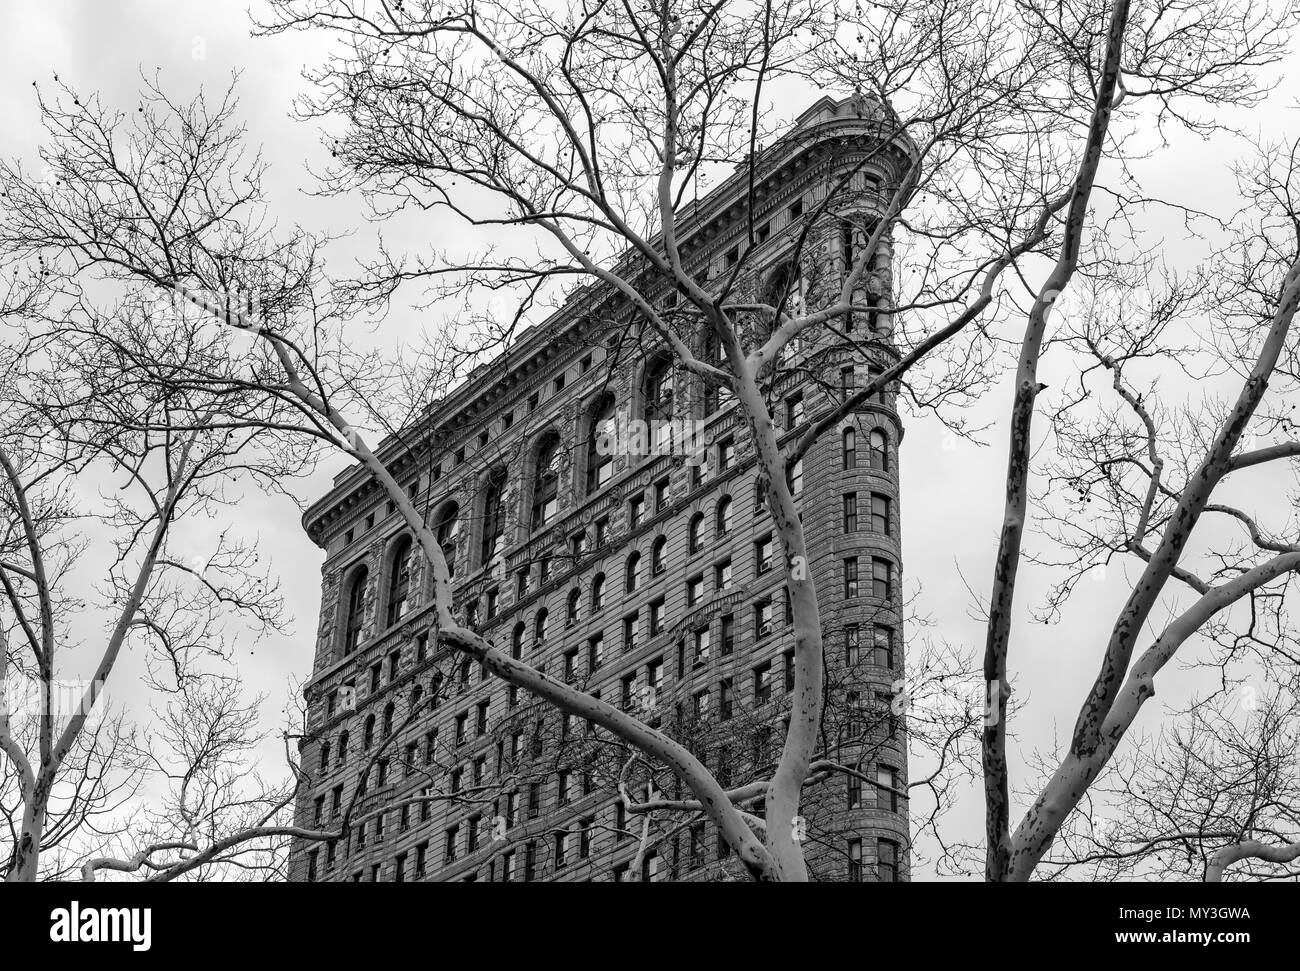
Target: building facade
x: 634, y: 559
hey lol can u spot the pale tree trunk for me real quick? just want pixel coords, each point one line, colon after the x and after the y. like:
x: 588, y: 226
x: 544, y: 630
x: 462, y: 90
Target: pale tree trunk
x: 1248, y: 850
x: 997, y: 797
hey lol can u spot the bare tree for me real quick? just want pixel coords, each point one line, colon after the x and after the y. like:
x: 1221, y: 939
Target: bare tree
x: 589, y: 131
x: 98, y: 483
x: 1214, y: 794
x: 1151, y: 505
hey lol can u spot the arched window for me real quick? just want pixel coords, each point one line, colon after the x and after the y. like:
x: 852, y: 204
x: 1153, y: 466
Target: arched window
x: 342, y: 755
x: 658, y: 556
x: 600, y: 458
x: 368, y: 733
x: 695, y: 533
x: 324, y: 757
x: 598, y: 592
x: 447, y: 531
x: 716, y: 392
x: 517, y: 640
x: 494, y: 491
x: 355, y: 612
x: 657, y: 398
x: 879, y: 450
x: 575, y: 606
x: 388, y: 719
x: 723, y: 516
x: 546, y: 480
x: 632, y: 573
x: 849, y: 449
x: 786, y: 283
x: 539, y: 629
x: 399, y: 580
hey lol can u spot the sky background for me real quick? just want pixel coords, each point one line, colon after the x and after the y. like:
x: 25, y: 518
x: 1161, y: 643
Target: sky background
x: 951, y: 488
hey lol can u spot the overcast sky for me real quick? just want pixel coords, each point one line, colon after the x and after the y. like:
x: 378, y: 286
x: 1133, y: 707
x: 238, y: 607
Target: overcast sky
x: 951, y: 490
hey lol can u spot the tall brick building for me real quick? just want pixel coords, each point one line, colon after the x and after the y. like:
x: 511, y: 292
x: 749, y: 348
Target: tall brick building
x: 650, y: 578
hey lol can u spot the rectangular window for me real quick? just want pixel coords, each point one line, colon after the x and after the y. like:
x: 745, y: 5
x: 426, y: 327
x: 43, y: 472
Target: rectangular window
x: 472, y: 833
x: 793, y: 411
x: 789, y: 671
x: 656, y: 617
x: 855, y: 861
x: 883, y: 646
x: 850, y: 512
x: 881, y: 578
x: 763, y: 683
x: 602, y: 532
x: 763, y: 555
x: 763, y: 618
x: 561, y: 849
x: 449, y: 851
x: 726, y: 454
x: 661, y: 495
x: 701, y: 653
x: 886, y: 861
x: 879, y: 514
x: 629, y: 633
x: 852, y: 646
x: 481, y: 719
x: 728, y: 634
x: 654, y: 673
x: 534, y: 800
x: 722, y: 575
x: 850, y: 577
x: 873, y: 374
x: 700, y: 703
x: 726, y: 699
x: 887, y: 792
x: 636, y: 511
x: 595, y: 652
x: 694, y: 590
